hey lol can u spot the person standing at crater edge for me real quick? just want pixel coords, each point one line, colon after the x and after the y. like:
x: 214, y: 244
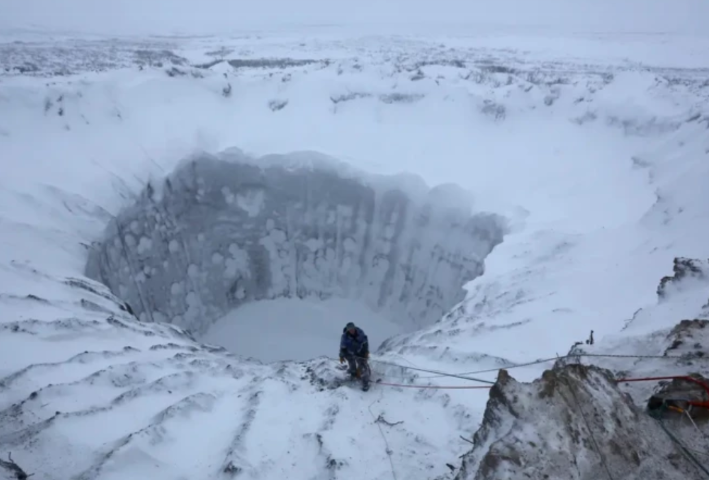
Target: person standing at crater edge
x: 354, y: 347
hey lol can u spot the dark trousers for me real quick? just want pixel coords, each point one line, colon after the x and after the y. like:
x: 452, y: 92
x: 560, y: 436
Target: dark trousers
x: 358, y: 365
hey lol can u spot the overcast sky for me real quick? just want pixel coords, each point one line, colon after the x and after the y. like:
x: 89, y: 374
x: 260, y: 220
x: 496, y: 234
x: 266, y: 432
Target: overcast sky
x: 460, y: 16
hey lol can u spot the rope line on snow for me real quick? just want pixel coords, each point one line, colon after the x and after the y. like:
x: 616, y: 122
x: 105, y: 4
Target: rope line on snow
x: 442, y: 374
x: 610, y: 355
x: 435, y: 387
x: 620, y: 380
x: 491, y: 383
x: 547, y: 360
x: 466, y: 375
x: 516, y: 365
x: 381, y: 431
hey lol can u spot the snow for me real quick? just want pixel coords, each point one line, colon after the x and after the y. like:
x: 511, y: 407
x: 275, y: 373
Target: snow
x: 294, y: 329
x: 589, y: 135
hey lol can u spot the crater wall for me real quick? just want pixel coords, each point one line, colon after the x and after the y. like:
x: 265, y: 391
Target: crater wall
x: 223, y: 231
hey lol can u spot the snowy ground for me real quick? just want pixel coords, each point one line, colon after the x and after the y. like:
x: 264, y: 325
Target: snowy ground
x: 594, y: 145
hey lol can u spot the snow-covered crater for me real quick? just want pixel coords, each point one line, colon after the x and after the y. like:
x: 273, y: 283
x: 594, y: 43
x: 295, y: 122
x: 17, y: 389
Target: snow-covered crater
x: 226, y: 230
x: 598, y: 162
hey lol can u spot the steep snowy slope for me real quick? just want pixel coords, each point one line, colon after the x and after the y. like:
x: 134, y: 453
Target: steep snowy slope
x: 596, y: 164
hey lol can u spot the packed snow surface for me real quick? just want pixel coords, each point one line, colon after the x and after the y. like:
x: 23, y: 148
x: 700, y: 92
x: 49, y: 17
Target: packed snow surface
x: 294, y: 329
x: 586, y: 129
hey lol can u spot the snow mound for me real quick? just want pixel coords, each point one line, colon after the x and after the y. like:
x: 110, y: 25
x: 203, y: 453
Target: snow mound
x: 573, y: 423
x: 224, y: 231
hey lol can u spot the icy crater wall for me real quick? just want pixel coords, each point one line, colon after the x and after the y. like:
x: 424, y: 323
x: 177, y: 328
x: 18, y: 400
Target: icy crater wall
x: 223, y: 231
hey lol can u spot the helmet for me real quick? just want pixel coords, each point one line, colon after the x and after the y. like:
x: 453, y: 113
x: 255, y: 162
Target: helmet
x: 350, y: 326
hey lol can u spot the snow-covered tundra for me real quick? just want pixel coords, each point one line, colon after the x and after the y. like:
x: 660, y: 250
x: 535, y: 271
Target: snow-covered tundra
x: 194, y: 201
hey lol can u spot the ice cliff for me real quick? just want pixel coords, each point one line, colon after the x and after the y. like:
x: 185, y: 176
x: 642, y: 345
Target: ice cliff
x: 222, y: 231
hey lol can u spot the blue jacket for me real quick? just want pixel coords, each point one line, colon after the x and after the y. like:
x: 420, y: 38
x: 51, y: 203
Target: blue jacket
x: 354, y: 345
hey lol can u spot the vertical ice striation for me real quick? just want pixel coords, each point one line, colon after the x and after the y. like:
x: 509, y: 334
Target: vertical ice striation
x: 223, y: 231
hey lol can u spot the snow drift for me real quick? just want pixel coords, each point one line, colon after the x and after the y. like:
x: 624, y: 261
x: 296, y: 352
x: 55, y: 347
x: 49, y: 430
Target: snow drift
x: 225, y: 231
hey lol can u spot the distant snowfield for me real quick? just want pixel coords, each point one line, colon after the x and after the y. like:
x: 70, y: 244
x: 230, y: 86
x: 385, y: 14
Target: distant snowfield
x: 292, y: 329
x: 593, y: 145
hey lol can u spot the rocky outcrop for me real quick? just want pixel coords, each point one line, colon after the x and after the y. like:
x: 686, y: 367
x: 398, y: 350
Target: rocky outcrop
x: 224, y: 231
x: 683, y: 268
x: 9, y: 470
x: 684, y: 294
x: 689, y: 338
x: 573, y: 424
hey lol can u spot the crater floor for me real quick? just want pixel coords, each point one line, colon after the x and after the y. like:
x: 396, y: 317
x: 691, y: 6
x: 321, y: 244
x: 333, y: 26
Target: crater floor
x: 294, y: 329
